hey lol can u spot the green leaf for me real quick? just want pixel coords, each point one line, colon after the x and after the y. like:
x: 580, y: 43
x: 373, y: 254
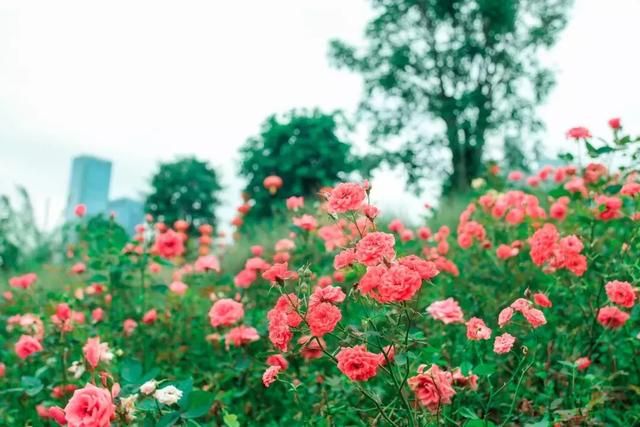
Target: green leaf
x: 31, y: 385
x: 231, y: 420
x: 160, y: 288
x: 468, y: 413
x: 485, y: 369
x: 567, y: 157
x: 168, y: 419
x: 41, y: 371
x: 613, y: 189
x: 571, y: 365
x: 153, y: 372
x: 199, y: 404
x: 401, y: 359
x: 185, y: 386
x: 163, y: 261
x: 131, y: 371
x: 146, y: 405
x: 624, y: 140
x: 558, y: 192
x: 479, y: 423
x: 591, y: 149
x: 149, y: 421
x: 242, y: 363
x: 606, y: 149
x: 465, y: 367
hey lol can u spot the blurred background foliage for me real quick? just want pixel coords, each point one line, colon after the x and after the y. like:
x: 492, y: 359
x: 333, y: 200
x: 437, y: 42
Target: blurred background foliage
x: 447, y: 86
x: 306, y: 149
x: 22, y: 244
x: 443, y: 78
x: 185, y: 189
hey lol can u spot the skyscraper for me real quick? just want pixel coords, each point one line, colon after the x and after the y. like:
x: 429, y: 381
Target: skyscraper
x: 90, y: 179
x: 128, y: 212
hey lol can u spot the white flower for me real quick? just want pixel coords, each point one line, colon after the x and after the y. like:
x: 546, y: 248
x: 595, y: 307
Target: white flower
x: 148, y: 387
x: 168, y: 395
x: 128, y: 407
x: 106, y: 355
x: 76, y: 369
x: 478, y: 183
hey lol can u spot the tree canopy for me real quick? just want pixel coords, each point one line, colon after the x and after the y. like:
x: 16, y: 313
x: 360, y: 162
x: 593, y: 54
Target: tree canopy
x: 184, y: 189
x: 453, y: 74
x: 303, y: 148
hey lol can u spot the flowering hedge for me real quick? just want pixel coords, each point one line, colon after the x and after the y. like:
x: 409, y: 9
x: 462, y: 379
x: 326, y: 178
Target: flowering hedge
x: 524, y: 314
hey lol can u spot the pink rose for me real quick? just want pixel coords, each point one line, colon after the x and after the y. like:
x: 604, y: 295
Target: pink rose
x: 503, y: 343
x: 90, y: 406
x: 505, y: 316
x: 447, y: 311
x: 375, y: 247
x: 80, y: 210
x: 433, y: 387
x: 178, y: 287
x: 92, y: 351
x: 150, y: 317
x: 26, y: 346
x: 621, y: 293
x: 241, y: 335
x: 346, y: 197
x: 477, y: 329
x: 207, y: 263
x: 225, y: 312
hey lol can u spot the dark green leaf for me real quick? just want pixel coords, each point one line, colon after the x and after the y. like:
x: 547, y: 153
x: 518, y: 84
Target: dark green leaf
x: 479, y: 423
x: 198, y: 404
x: 484, y: 369
x: 131, y: 371
x: 169, y: 419
x: 613, y: 189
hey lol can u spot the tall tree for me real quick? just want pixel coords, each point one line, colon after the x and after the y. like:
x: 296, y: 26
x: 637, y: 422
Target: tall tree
x: 303, y: 148
x: 185, y: 189
x: 22, y: 243
x: 468, y: 68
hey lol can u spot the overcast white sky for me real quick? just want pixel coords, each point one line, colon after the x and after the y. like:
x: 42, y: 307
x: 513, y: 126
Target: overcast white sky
x: 142, y: 81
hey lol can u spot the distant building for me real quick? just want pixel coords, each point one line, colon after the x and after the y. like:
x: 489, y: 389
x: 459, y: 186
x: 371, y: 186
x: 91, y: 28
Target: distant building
x: 128, y: 212
x: 90, y: 180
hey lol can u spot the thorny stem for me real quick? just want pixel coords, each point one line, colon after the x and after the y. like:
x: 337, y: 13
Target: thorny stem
x: 493, y: 394
x: 398, y: 385
x: 515, y: 395
x: 359, y: 387
x: 332, y: 357
x: 355, y: 223
x: 593, y: 340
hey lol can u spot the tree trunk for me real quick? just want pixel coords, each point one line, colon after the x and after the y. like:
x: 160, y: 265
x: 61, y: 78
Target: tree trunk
x: 459, y: 179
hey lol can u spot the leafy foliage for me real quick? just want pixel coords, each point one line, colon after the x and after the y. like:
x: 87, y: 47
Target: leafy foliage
x: 21, y: 242
x: 185, y: 189
x: 303, y: 148
x: 444, y: 78
x: 567, y: 365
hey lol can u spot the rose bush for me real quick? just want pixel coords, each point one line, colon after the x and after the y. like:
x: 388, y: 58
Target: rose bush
x: 523, y: 313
